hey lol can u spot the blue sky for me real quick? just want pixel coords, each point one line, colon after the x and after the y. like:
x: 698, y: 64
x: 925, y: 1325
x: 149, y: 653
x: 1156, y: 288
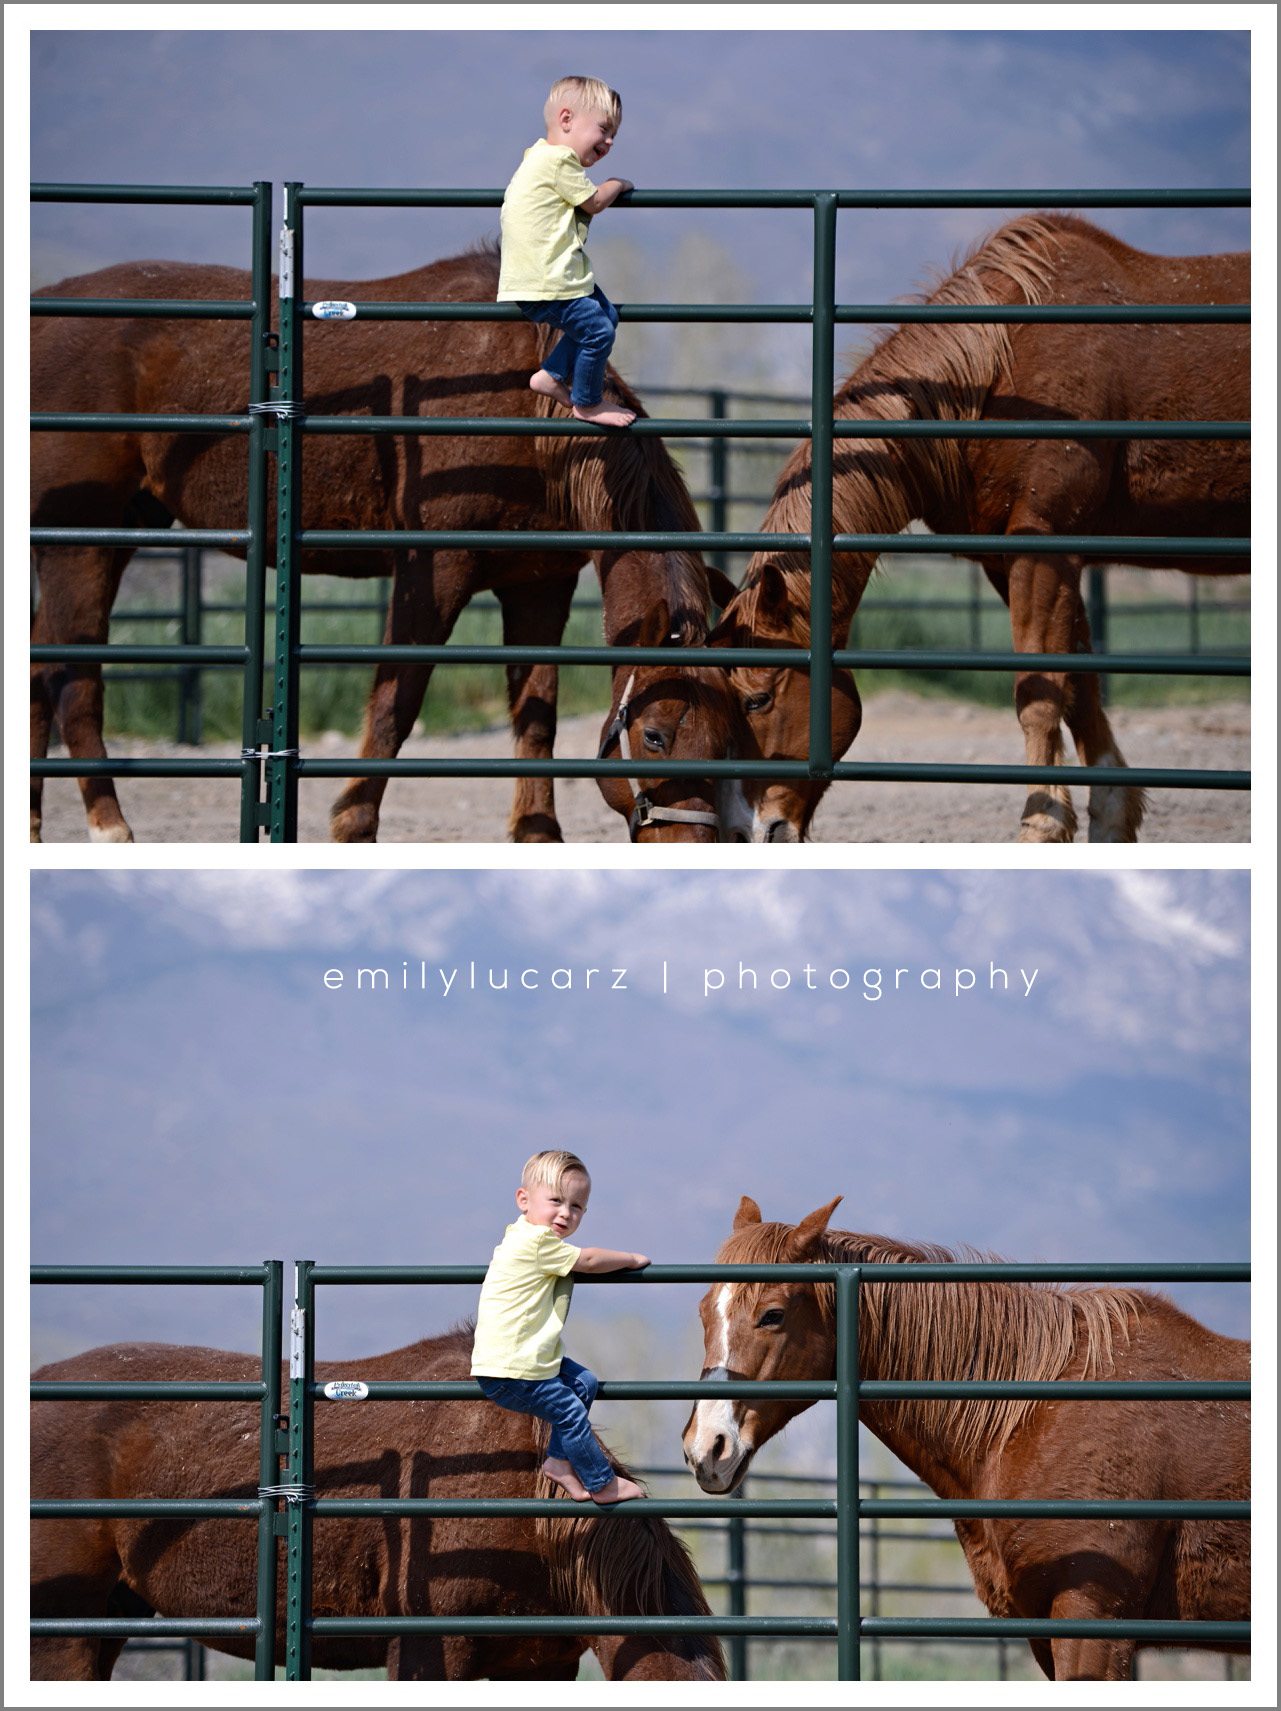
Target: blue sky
x: 702, y: 108
x: 200, y: 1096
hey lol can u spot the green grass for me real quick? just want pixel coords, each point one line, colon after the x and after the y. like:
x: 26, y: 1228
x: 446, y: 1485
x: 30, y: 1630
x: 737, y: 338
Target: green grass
x: 464, y: 698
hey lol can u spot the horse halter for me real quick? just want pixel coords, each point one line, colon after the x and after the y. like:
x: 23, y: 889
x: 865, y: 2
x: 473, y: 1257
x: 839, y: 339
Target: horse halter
x: 645, y: 811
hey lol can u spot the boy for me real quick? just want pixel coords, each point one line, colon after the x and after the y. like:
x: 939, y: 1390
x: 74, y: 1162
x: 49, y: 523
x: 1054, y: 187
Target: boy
x: 545, y: 270
x: 517, y: 1355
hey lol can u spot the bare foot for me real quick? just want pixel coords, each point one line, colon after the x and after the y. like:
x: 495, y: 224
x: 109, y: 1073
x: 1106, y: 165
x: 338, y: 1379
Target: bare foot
x: 608, y: 415
x: 549, y: 386
x: 619, y: 1490
x: 562, y: 1474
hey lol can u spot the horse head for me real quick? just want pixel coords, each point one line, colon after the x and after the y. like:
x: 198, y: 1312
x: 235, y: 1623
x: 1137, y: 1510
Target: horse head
x: 767, y: 1330
x: 666, y: 712
x: 774, y: 702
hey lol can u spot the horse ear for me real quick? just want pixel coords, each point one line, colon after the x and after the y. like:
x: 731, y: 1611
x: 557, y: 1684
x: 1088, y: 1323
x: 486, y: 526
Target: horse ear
x: 748, y: 1213
x: 719, y: 585
x: 805, y: 1237
x: 771, y: 593
x: 655, y: 627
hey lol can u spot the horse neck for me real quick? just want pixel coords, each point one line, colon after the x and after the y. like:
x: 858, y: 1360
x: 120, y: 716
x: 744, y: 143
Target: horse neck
x: 622, y: 483
x: 961, y: 1331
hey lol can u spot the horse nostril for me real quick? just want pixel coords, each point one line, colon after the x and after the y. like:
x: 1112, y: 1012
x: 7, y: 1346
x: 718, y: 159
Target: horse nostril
x: 718, y: 1447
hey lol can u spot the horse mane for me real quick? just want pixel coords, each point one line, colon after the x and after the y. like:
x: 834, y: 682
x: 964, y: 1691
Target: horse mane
x: 985, y: 1331
x: 627, y: 1566
x: 923, y: 371
x: 611, y: 1566
x: 624, y: 1566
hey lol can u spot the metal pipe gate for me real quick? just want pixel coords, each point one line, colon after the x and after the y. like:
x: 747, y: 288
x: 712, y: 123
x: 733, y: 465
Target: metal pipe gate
x: 271, y: 740
x: 849, y: 1626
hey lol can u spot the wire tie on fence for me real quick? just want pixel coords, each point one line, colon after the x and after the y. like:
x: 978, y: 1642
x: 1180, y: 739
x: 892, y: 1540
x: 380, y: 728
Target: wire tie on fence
x: 268, y: 754
x: 289, y: 1493
x: 283, y: 409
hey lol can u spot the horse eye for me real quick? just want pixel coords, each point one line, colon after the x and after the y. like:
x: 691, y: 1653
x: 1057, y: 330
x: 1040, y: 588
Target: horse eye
x: 757, y: 703
x: 653, y: 738
x: 771, y: 1320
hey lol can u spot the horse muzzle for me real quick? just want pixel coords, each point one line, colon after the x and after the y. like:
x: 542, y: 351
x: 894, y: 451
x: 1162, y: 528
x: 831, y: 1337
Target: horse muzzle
x: 717, y: 1452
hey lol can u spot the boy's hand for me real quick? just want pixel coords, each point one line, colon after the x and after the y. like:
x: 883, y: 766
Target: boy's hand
x: 606, y: 196
x: 638, y: 1261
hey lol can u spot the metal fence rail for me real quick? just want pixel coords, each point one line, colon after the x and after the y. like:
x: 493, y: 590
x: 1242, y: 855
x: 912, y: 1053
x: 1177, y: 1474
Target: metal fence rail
x: 284, y: 764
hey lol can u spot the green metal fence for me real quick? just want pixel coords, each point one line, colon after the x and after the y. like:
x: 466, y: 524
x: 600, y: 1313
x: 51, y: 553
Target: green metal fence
x: 284, y: 763
x: 849, y: 1627
x: 261, y: 1624
x: 252, y: 539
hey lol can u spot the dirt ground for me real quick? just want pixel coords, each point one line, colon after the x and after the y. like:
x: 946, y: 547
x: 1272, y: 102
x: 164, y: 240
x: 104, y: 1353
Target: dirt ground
x: 896, y: 726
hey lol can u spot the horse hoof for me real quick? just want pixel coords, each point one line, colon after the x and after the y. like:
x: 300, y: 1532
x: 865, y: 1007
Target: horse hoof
x: 353, y: 826
x: 1045, y: 829
x: 117, y: 834
x: 536, y: 829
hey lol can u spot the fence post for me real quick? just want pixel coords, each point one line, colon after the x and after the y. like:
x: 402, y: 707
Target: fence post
x: 1097, y: 611
x: 848, y: 1624
x: 269, y: 1470
x: 298, y: 1515
x: 736, y: 1573
x: 822, y: 357
x: 253, y: 730
x: 190, y: 630
x: 282, y: 772
x: 874, y: 1544
x: 718, y: 485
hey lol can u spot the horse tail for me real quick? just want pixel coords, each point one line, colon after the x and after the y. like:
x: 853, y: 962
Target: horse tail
x: 628, y: 1565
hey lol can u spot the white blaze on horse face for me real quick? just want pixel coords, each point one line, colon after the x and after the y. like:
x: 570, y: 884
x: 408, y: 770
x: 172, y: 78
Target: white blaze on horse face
x: 714, y: 1447
x: 720, y: 1355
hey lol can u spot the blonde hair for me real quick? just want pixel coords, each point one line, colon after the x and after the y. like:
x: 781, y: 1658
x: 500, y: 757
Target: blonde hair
x: 549, y: 1169
x: 584, y: 94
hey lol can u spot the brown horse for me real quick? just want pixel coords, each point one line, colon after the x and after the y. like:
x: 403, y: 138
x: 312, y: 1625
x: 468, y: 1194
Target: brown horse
x: 1011, y: 487
x: 616, y: 1565
x: 605, y: 482
x: 1006, y: 1449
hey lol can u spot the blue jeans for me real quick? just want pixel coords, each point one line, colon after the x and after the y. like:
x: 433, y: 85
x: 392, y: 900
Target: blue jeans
x: 587, y: 337
x: 564, y: 1401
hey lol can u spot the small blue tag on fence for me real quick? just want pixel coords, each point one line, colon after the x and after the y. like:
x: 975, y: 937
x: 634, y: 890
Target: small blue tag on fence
x: 346, y: 1390
x: 334, y: 309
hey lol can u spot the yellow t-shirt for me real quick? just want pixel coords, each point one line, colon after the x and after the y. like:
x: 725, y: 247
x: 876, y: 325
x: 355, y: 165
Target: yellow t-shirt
x: 524, y: 1301
x: 543, y: 231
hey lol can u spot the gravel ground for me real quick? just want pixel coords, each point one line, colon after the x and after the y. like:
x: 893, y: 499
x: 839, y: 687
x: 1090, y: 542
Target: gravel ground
x: 897, y: 726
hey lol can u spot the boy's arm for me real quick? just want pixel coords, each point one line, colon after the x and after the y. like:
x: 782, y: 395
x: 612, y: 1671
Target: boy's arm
x: 609, y: 192
x: 606, y: 1259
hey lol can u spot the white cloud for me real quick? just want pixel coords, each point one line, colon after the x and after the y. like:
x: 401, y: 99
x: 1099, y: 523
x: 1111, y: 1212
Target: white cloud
x: 1160, y: 910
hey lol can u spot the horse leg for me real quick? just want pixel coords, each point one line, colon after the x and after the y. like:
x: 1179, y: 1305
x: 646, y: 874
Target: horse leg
x: 78, y: 587
x: 1043, y: 1652
x: 1116, y: 810
x: 428, y: 592
x: 424, y: 1657
x: 1088, y: 1660
x: 1044, y: 595
x: 534, y: 615
x: 75, y: 1571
